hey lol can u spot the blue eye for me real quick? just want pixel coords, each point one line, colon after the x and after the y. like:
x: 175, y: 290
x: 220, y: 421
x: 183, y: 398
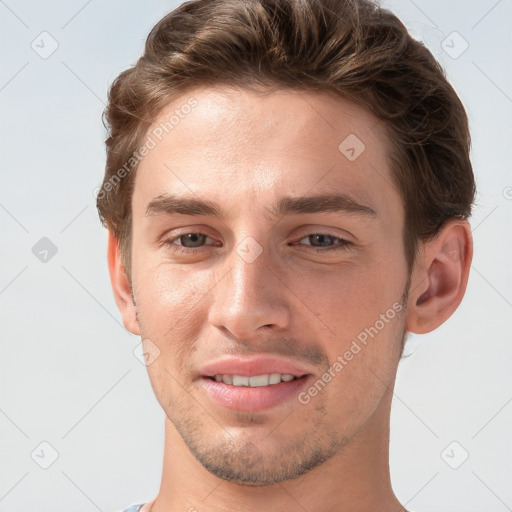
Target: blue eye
x: 191, y: 241
x: 324, y: 239
x: 193, y: 238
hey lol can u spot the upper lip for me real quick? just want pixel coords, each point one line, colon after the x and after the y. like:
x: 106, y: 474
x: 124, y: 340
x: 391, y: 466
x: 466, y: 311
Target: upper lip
x: 249, y: 367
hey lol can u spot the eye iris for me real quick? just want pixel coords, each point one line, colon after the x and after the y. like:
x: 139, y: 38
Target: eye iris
x: 327, y: 239
x: 192, y: 237
x: 192, y: 240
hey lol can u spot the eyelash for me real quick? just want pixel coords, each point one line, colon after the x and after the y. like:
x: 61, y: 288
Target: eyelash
x: 342, y: 245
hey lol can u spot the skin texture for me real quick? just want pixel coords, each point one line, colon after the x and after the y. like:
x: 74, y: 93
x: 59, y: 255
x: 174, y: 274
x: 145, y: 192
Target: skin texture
x: 244, y: 151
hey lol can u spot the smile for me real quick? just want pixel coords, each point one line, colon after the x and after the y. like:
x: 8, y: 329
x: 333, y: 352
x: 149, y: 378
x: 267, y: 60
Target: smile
x: 267, y: 379
x: 256, y: 393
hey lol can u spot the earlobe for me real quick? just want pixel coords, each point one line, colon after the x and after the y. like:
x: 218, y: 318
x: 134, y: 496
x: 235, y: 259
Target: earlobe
x: 121, y: 286
x: 440, y: 277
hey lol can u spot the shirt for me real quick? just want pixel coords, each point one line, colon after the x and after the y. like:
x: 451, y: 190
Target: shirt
x: 136, y: 508
x: 133, y: 508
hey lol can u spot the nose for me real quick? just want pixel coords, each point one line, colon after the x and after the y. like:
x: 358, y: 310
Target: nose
x: 251, y: 296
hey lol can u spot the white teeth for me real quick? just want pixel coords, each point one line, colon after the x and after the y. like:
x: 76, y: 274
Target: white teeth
x: 275, y: 378
x: 256, y: 380
x: 238, y: 380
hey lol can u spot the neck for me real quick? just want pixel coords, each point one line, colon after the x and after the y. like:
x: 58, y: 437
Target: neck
x: 356, y: 478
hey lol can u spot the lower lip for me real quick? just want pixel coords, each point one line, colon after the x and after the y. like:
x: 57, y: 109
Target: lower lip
x: 246, y: 398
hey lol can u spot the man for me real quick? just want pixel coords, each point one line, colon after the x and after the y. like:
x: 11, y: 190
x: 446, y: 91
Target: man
x: 287, y: 191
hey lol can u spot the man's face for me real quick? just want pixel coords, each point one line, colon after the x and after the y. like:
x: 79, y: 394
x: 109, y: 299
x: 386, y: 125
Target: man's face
x: 252, y: 283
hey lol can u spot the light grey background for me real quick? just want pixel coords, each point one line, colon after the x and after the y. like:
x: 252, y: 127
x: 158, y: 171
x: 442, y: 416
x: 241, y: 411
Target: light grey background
x: 68, y: 373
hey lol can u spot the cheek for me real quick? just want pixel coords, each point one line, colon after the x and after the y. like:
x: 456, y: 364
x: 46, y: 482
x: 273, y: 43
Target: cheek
x: 362, y: 320
x: 350, y: 298
x: 172, y: 308
x: 169, y: 297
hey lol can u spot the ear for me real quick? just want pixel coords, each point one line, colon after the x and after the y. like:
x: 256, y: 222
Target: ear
x: 439, y: 277
x: 121, y: 285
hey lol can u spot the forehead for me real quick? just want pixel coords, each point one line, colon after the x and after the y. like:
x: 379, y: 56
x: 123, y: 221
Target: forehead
x: 225, y: 143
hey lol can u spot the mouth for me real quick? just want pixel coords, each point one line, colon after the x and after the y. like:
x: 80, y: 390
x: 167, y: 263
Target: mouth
x: 255, y: 381
x: 254, y: 393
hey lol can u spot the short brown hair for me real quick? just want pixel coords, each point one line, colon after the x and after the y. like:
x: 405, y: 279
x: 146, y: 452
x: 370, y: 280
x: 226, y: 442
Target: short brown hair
x: 352, y: 48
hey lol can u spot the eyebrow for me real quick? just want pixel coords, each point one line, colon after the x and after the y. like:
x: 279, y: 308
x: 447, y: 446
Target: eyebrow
x: 170, y: 204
